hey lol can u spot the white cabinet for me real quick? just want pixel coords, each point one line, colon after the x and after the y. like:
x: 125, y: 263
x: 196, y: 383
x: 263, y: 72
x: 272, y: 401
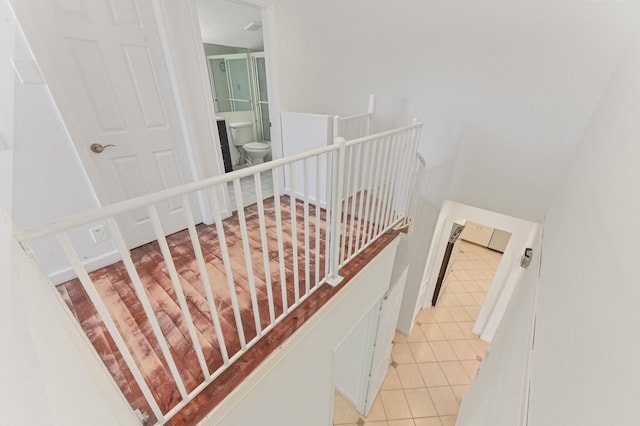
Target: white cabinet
x: 477, y: 234
x: 485, y: 236
x: 499, y: 240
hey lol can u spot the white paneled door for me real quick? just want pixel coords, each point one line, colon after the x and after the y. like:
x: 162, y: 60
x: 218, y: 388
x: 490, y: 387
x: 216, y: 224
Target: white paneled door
x: 105, y: 66
x: 384, y: 341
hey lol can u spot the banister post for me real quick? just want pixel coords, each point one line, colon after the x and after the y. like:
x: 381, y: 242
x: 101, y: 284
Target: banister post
x: 336, y: 212
x: 336, y: 128
x: 370, y: 111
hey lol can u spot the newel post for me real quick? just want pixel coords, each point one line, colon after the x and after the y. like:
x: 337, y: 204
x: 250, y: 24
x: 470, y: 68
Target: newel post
x: 336, y: 217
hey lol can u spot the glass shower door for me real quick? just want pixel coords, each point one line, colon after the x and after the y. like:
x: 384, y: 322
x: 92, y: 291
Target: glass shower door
x: 231, y: 82
x: 261, y: 96
x: 239, y: 82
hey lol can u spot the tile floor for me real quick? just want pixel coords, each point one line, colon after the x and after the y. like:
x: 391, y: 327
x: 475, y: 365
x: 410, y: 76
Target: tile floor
x: 432, y: 368
x: 248, y: 187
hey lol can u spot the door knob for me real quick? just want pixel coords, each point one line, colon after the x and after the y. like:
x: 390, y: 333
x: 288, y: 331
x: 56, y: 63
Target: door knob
x: 97, y: 148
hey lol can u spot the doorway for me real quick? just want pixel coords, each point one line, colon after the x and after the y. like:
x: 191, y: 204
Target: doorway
x: 480, y: 225
x: 482, y: 236
x: 113, y: 87
x: 237, y: 65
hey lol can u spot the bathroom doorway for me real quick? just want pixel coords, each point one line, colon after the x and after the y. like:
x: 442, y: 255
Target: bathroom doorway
x: 234, y: 52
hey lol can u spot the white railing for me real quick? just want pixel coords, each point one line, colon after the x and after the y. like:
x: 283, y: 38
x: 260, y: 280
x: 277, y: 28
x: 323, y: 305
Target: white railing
x: 350, y: 194
x: 356, y: 125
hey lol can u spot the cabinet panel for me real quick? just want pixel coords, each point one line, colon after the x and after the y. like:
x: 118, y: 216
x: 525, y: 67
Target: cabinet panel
x: 476, y: 233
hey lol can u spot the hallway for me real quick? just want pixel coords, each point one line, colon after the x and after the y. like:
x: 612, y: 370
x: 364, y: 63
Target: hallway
x: 431, y: 369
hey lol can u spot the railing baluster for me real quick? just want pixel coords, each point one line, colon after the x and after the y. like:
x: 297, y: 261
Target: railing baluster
x: 373, y: 151
x: 415, y: 140
x: 109, y: 323
x: 384, y: 186
x: 345, y: 206
x: 353, y: 192
x: 265, y: 246
x: 361, y: 200
x: 228, y: 271
x: 374, y: 192
x: 177, y: 287
x: 410, y: 157
x: 247, y: 256
x: 378, y: 189
x: 328, y: 213
x: 307, y: 274
x: 204, y: 276
x: 402, y: 177
x: 146, y: 305
x: 334, y: 277
x: 294, y: 233
x: 283, y: 275
x: 391, y: 212
x: 317, y: 222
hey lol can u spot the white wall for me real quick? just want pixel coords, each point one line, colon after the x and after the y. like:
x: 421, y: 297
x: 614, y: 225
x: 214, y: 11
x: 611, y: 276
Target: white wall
x: 49, y: 372
x: 585, y: 362
x: 7, y: 48
x: 505, y: 88
x: 498, y: 394
x: 48, y: 179
x: 302, y: 369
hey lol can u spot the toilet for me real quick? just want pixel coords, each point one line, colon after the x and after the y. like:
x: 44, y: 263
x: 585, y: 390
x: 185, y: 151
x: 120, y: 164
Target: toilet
x: 243, y: 139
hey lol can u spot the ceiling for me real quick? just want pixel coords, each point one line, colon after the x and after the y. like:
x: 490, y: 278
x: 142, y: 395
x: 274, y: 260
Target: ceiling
x: 223, y: 22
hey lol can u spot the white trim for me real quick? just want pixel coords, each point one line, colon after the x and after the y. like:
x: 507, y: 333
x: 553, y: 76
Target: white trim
x: 273, y: 85
x: 300, y: 196
x: 66, y: 274
x: 204, y: 161
x: 344, y: 393
x: 528, y: 373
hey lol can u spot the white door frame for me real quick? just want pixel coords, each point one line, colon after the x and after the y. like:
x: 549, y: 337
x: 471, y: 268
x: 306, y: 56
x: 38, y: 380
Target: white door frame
x: 270, y: 52
x: 197, y: 151
x: 524, y: 234
x: 183, y: 49
x: 257, y: 101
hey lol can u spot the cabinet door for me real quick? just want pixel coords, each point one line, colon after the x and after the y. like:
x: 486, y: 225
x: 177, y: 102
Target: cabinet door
x: 384, y: 339
x: 499, y: 240
x: 476, y: 233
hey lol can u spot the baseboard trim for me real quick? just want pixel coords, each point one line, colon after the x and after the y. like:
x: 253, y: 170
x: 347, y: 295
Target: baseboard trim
x: 66, y: 274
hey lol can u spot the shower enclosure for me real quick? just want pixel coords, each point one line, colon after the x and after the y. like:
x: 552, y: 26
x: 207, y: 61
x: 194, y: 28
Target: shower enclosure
x: 239, y: 83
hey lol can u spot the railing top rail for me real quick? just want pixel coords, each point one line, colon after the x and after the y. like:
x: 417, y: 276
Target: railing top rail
x: 354, y: 116
x: 114, y: 209
x: 415, y: 125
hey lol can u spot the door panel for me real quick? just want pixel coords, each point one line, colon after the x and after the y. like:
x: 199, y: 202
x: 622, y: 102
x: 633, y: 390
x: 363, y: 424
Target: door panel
x: 149, y: 97
x: 384, y: 339
x: 104, y: 64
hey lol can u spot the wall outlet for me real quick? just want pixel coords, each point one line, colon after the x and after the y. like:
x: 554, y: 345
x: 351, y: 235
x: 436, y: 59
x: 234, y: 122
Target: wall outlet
x: 98, y: 234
